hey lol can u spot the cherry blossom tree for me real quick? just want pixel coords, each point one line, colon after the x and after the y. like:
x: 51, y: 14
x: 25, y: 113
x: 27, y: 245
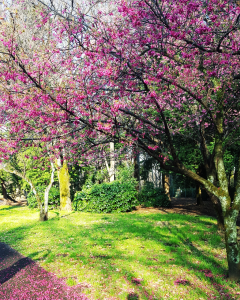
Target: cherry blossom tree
x: 167, y: 70
x: 156, y: 72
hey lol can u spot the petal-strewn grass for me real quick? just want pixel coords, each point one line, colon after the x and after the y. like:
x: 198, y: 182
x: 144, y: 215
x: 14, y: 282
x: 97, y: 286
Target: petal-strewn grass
x: 138, y: 255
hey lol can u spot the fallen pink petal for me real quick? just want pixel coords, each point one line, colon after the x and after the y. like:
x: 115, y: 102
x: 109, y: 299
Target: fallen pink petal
x: 23, y: 279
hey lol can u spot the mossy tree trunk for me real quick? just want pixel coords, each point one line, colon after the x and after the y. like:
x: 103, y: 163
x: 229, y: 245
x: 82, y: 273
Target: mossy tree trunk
x: 227, y: 210
x: 219, y: 213
x: 64, y: 185
x: 215, y: 183
x: 226, y: 207
x: 232, y: 245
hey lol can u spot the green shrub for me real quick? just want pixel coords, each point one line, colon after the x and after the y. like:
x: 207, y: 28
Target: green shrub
x: 53, y: 198
x: 31, y: 200
x: 106, y: 197
x: 151, y: 196
x: 80, y: 200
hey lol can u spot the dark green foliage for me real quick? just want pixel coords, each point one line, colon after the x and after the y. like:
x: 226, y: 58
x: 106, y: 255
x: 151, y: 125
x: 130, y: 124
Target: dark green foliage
x: 106, y: 198
x: 11, y: 182
x: 117, y: 196
x: 53, y: 198
x: 78, y: 177
x: 151, y: 196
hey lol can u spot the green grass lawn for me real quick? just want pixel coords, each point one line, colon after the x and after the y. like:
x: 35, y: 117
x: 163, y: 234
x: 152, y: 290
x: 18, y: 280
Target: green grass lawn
x: 138, y: 255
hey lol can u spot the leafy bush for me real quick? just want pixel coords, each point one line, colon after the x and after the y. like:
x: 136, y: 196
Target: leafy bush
x: 125, y: 173
x: 151, y: 196
x: 53, y: 198
x: 31, y: 200
x: 117, y: 196
x: 107, y: 197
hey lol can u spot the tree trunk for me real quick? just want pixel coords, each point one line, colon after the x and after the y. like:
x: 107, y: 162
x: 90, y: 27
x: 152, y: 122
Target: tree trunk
x: 136, y: 168
x: 40, y: 206
x: 218, y: 210
x: 236, y: 172
x: 44, y: 213
x: 43, y: 216
x: 64, y: 185
x: 166, y: 184
x: 112, y: 163
x: 111, y: 167
x: 4, y: 192
x: 232, y: 246
x: 199, y: 195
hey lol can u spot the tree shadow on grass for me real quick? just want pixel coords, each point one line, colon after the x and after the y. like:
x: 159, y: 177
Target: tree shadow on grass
x: 9, y: 207
x: 182, y: 242
x: 213, y: 280
x: 141, y: 227
x: 111, y: 231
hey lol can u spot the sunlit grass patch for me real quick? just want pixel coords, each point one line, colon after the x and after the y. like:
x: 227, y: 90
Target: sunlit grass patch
x: 126, y: 255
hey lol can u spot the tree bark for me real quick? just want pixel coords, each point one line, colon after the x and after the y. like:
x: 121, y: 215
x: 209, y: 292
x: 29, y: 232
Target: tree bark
x: 199, y: 195
x: 44, y: 214
x: 64, y: 185
x: 112, y: 163
x: 232, y: 246
x: 136, y: 168
x: 218, y: 210
x: 111, y: 167
x: 4, y: 192
x: 236, y: 172
x: 166, y: 184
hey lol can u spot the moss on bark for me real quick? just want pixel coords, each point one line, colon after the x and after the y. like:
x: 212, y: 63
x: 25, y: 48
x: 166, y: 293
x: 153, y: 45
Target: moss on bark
x: 232, y: 246
x: 64, y: 184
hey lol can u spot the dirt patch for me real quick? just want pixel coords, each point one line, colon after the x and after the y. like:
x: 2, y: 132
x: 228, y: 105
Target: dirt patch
x: 186, y: 206
x: 11, y: 203
x: 183, y: 206
x: 189, y: 206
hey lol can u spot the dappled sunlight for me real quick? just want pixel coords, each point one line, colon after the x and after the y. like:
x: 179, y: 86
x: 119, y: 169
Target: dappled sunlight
x: 154, y: 256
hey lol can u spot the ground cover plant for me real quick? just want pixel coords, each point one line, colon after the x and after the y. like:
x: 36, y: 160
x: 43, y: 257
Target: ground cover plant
x: 137, y: 255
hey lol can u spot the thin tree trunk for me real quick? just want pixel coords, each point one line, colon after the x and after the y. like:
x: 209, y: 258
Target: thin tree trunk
x: 44, y: 215
x: 111, y: 167
x: 236, y: 172
x: 166, y: 184
x: 112, y: 163
x: 199, y: 195
x: 136, y: 168
x: 64, y: 185
x: 4, y: 192
x: 40, y: 206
